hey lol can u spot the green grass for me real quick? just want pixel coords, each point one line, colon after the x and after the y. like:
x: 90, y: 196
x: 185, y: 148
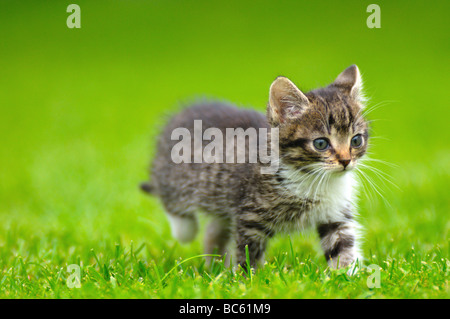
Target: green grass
x: 39, y: 270
x: 79, y: 110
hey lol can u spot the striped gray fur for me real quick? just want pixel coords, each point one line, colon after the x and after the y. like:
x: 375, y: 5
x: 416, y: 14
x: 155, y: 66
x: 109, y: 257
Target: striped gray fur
x: 311, y: 188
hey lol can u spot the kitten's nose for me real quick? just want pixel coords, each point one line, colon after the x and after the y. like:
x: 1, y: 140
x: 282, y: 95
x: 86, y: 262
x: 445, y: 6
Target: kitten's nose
x: 344, y: 162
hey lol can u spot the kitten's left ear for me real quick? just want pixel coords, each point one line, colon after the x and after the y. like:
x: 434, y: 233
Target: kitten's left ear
x: 350, y: 81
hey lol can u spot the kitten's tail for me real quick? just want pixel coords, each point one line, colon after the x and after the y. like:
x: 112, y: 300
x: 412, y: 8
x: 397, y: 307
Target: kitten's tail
x: 147, y: 187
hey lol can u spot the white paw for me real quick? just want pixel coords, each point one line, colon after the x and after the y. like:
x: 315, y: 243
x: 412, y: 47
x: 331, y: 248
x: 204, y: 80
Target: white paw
x: 184, y: 229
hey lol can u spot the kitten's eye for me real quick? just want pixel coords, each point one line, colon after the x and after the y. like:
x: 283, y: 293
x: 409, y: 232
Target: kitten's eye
x: 356, y: 141
x: 321, y: 144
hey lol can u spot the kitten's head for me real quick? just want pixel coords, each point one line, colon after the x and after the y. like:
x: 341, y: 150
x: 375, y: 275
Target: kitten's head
x: 323, y: 128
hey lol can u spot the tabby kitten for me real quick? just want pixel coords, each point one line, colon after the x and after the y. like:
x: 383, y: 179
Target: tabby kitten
x: 322, y: 135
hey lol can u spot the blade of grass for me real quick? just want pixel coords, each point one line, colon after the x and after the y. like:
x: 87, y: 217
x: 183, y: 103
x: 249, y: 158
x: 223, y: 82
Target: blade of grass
x: 182, y: 262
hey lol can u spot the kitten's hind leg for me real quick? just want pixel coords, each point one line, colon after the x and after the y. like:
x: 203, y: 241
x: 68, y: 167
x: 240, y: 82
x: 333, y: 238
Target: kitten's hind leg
x: 184, y: 227
x: 217, y: 236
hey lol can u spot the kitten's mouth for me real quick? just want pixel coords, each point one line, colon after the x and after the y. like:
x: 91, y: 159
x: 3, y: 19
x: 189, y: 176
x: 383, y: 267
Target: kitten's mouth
x: 342, y: 170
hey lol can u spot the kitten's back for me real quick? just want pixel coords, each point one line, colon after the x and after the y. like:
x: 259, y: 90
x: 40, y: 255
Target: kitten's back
x: 188, y: 184
x: 220, y: 115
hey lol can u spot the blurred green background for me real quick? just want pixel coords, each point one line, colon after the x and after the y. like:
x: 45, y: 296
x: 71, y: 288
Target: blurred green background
x: 79, y: 108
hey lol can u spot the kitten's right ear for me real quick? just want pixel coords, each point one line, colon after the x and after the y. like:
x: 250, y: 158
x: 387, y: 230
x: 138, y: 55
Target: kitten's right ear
x: 285, y: 101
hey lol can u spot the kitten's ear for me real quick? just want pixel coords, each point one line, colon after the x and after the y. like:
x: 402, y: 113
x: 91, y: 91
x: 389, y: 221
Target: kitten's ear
x: 285, y: 101
x: 350, y: 81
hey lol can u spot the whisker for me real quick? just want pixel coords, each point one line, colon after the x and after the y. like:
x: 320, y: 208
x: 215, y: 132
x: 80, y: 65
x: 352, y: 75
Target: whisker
x: 380, y: 175
x: 374, y: 107
x: 380, y: 161
x: 374, y: 186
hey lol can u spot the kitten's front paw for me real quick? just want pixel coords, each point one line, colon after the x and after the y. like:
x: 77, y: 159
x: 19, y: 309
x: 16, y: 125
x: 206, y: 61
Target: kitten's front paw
x: 354, y: 267
x: 350, y: 261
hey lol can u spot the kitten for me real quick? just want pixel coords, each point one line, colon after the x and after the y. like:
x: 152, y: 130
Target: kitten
x: 322, y: 135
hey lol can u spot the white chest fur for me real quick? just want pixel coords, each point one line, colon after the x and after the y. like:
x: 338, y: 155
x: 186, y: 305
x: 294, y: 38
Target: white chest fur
x: 331, y: 193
